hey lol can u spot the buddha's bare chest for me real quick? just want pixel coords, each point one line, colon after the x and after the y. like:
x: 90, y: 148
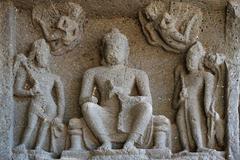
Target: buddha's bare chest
x: 117, y: 79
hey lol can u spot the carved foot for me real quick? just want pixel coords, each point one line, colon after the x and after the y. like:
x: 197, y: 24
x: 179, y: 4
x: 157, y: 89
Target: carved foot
x: 129, y: 146
x: 106, y: 146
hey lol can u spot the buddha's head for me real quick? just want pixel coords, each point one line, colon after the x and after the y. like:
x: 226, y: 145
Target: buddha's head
x: 115, y: 48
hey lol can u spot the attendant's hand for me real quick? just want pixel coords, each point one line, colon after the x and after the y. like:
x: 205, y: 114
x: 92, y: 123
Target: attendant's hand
x: 21, y: 57
x: 183, y: 94
x: 36, y: 90
x: 149, y: 26
x: 91, y: 99
x: 39, y: 21
x: 57, y: 120
x: 210, y: 114
x: 122, y: 96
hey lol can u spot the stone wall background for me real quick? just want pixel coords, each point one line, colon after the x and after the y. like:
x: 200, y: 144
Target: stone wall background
x: 102, y: 16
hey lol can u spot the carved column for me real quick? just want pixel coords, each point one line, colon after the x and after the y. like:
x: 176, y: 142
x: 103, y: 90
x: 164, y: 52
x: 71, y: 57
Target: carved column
x: 233, y: 53
x: 7, y: 51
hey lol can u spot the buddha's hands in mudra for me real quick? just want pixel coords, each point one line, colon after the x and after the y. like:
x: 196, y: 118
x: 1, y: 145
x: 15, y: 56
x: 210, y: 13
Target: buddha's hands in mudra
x: 114, y: 90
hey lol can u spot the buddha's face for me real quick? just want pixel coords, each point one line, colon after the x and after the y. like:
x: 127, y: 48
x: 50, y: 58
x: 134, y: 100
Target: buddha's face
x: 115, y: 53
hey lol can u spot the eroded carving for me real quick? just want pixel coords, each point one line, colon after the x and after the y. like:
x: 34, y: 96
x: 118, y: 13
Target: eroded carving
x: 46, y: 110
x: 62, y: 25
x: 122, y: 113
x: 216, y: 63
x: 194, y: 99
x: 115, y: 100
x: 175, y: 29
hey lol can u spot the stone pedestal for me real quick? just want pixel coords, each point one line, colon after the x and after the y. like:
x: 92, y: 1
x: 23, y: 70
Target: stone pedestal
x: 120, y: 155
x: 141, y: 154
x: 68, y: 154
x: 200, y: 156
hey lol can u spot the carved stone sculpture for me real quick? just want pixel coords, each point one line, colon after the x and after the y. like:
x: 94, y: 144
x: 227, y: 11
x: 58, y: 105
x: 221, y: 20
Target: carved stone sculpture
x: 175, y: 29
x: 123, y: 111
x: 62, y: 25
x: 216, y: 63
x: 45, y: 111
x: 117, y: 117
x: 194, y: 100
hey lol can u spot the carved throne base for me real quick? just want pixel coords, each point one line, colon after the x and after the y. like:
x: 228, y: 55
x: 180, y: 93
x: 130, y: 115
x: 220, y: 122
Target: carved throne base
x: 118, y: 154
x: 141, y: 154
x: 215, y: 155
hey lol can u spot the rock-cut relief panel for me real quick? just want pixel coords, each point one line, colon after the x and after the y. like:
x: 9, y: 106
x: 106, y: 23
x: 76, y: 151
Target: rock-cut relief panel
x: 115, y: 100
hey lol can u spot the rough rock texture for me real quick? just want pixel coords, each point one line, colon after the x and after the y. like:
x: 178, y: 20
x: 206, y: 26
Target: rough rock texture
x: 7, y: 49
x: 219, y: 35
x: 123, y: 8
x: 232, y: 39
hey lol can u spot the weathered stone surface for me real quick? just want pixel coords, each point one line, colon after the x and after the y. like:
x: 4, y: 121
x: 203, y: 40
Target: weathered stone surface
x: 124, y: 7
x: 232, y: 39
x: 130, y: 86
x: 7, y: 52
